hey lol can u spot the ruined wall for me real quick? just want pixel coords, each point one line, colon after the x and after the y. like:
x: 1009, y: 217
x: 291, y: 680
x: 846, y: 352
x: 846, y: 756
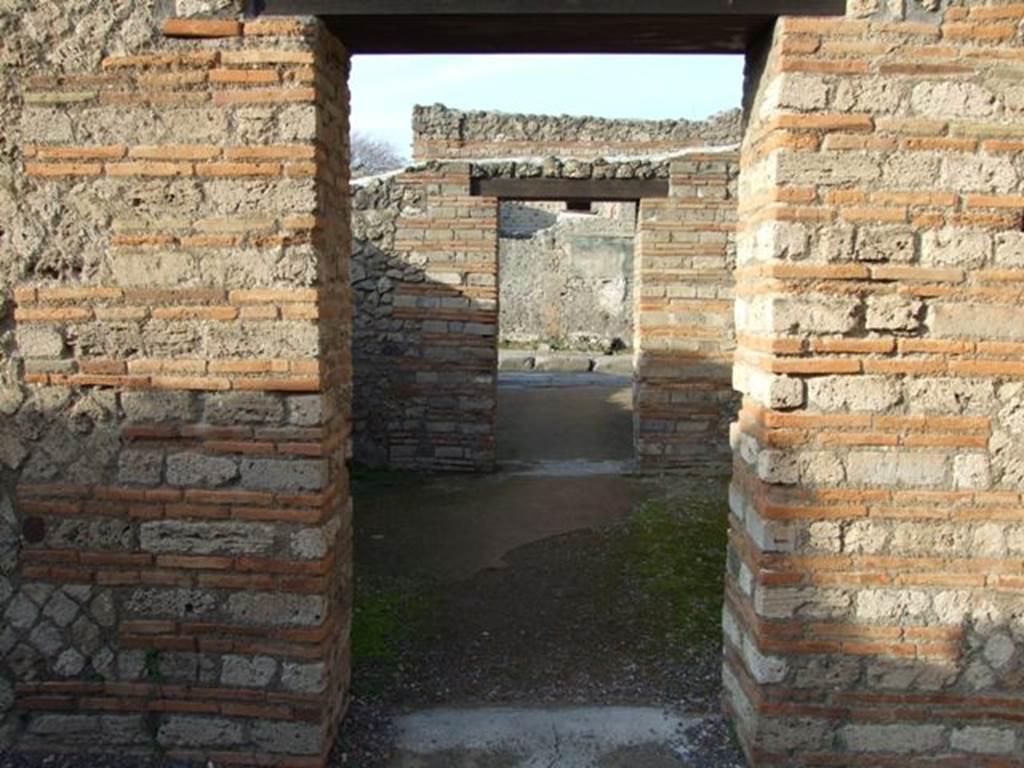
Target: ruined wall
x: 684, y: 336
x: 176, y: 559
x: 424, y: 280
x: 875, y: 597
x: 425, y: 342
x: 441, y: 133
x: 426, y: 312
x: 566, y: 278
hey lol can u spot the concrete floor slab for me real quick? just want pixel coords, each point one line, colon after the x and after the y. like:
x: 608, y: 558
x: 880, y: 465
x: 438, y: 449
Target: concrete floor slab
x: 572, y: 737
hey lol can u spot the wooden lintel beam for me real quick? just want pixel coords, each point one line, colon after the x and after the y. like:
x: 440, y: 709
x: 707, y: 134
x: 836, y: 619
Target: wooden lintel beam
x: 548, y: 26
x: 602, y: 190
x: 684, y: 8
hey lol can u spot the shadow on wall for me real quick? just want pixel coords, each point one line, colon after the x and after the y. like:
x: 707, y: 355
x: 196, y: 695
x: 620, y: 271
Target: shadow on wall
x: 425, y: 380
x: 900, y: 670
x: 424, y: 365
x: 526, y: 219
x: 684, y: 406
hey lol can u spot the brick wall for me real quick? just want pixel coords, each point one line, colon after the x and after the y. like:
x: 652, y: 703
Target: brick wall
x: 874, y: 594
x: 684, y: 336
x: 426, y: 321
x: 178, y: 423
x: 426, y: 314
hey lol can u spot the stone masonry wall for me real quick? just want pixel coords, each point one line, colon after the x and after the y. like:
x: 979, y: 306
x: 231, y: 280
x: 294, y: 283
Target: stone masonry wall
x: 425, y: 342
x: 875, y: 595
x: 441, y: 133
x: 176, y: 563
x: 424, y: 279
x: 566, y: 278
x: 684, y: 337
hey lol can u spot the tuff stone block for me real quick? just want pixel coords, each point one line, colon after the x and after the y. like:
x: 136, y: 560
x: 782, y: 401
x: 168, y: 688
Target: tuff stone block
x: 893, y: 738
x: 195, y: 469
x: 194, y: 731
x: 284, y: 475
x: 232, y: 408
x: 202, y: 538
x: 157, y: 406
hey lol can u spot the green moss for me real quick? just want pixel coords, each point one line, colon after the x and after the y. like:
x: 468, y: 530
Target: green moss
x: 674, y: 557
x: 366, y: 481
x: 385, y: 620
x: 151, y: 667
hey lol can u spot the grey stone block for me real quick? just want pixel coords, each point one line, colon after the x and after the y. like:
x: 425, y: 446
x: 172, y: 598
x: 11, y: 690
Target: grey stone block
x: 191, y: 731
x: 140, y: 467
x: 248, y: 671
x: 196, y: 538
x: 269, y: 608
x: 196, y: 469
x: 304, y: 678
x: 157, y: 406
x: 284, y: 475
x: 305, y: 410
x: 232, y: 408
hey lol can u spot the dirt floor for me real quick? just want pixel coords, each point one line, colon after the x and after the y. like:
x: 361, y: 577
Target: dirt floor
x: 550, y: 583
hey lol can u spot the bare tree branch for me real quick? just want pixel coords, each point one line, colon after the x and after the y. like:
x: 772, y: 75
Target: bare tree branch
x: 372, y: 155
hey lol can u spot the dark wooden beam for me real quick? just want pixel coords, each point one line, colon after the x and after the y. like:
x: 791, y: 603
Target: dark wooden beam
x: 570, y: 189
x: 682, y: 8
x: 549, y: 26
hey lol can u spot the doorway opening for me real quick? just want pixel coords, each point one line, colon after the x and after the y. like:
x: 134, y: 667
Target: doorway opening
x: 517, y: 321
x: 565, y: 334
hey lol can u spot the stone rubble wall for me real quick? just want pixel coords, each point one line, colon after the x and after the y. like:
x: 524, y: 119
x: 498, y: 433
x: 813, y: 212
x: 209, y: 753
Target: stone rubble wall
x: 441, y: 133
x: 175, y: 520
x: 875, y: 594
x: 566, y: 277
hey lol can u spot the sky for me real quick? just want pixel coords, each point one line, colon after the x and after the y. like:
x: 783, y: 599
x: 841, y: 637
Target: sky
x: 385, y: 88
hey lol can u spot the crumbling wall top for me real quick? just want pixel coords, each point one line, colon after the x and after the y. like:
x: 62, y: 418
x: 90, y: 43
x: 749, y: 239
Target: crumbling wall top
x: 443, y: 133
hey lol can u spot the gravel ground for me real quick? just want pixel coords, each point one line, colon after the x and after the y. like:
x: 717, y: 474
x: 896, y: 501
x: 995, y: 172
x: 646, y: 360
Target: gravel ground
x: 621, y: 614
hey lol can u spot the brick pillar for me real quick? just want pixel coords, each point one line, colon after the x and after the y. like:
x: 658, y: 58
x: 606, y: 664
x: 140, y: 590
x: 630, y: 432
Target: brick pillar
x: 184, y: 576
x: 876, y: 562
x: 683, y: 324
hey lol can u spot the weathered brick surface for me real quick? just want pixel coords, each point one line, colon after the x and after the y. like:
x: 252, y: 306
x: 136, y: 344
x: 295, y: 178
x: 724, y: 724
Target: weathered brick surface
x: 684, y: 331
x: 179, y: 417
x: 875, y: 572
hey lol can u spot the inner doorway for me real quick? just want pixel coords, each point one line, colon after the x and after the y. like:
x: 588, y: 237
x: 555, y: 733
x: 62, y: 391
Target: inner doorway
x: 565, y: 334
